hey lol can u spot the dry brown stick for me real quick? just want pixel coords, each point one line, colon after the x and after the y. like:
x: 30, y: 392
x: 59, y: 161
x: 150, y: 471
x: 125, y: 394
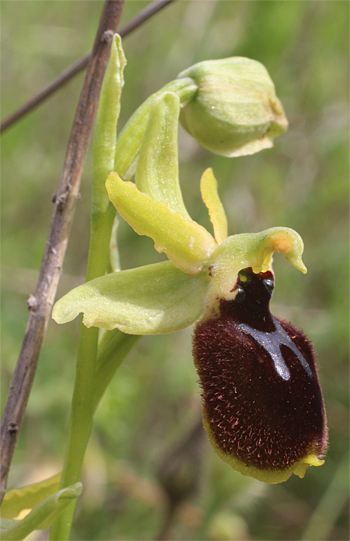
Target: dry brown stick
x: 40, y: 305
x: 78, y: 66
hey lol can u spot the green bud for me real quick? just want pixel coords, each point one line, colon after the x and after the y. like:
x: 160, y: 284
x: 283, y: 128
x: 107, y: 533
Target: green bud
x: 235, y: 111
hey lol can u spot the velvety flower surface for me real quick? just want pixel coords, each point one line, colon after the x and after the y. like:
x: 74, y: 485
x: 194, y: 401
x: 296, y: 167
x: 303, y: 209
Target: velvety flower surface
x: 263, y: 407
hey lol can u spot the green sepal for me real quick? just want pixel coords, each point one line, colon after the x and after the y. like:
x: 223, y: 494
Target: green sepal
x: 105, y: 140
x: 27, y: 497
x: 105, y: 135
x: 154, y: 299
x: 41, y: 516
x: 157, y: 172
x: 186, y: 243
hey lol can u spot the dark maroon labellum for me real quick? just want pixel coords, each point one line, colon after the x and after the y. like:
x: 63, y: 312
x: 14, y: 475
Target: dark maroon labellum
x: 262, y: 399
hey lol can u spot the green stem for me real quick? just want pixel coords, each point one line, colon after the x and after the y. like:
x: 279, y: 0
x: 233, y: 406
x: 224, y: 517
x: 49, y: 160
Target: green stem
x: 80, y: 425
x: 113, y: 349
x: 91, y: 383
x: 82, y: 406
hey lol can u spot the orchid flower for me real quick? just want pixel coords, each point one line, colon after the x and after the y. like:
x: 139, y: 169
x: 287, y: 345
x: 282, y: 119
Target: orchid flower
x: 263, y: 408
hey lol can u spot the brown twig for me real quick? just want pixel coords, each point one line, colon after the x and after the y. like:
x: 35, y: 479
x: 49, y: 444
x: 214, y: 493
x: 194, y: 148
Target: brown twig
x: 41, y: 303
x: 79, y: 65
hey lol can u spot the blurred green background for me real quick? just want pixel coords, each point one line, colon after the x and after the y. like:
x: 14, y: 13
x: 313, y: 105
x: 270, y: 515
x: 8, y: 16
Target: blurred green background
x: 144, y: 430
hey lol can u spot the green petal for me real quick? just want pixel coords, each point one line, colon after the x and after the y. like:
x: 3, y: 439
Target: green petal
x: 185, y: 242
x: 154, y: 299
x: 250, y: 250
x: 210, y: 196
x: 157, y: 172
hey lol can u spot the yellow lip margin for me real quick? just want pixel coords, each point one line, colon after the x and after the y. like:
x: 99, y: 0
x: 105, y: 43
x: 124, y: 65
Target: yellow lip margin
x: 266, y: 476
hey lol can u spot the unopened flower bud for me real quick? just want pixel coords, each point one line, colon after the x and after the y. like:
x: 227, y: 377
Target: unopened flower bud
x: 235, y: 111
x: 263, y: 407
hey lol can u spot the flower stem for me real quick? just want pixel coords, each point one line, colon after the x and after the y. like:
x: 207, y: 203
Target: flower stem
x: 83, y: 407
x: 113, y: 349
x: 80, y: 426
